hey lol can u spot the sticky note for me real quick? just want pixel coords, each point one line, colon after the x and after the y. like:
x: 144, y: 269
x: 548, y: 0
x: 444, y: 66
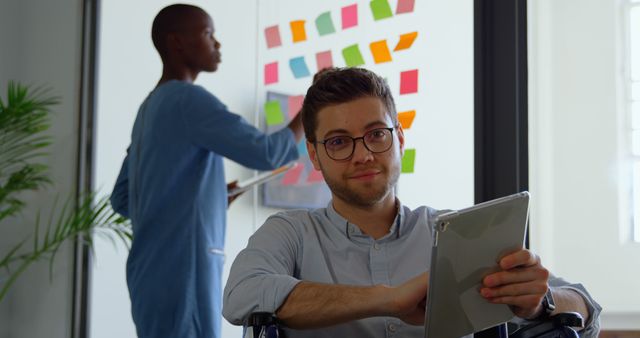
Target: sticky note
x: 299, y: 67
x: 298, y: 31
x: 294, y: 105
x: 271, y: 73
x: 380, y: 9
x: 324, y: 24
x: 408, y: 161
x: 315, y: 176
x: 349, y: 16
x: 409, y: 82
x: 272, y: 35
x: 405, y: 6
x: 406, y: 40
x: 406, y: 118
x: 324, y: 60
x: 302, y: 148
x: 352, y: 56
x: 273, y: 112
x: 380, y: 51
x: 292, y: 176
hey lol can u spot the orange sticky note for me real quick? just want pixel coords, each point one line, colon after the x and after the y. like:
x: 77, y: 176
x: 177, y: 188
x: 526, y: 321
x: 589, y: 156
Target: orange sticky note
x: 406, y: 118
x: 292, y: 176
x: 406, y: 40
x: 380, y: 51
x: 298, y: 31
x: 409, y: 82
x: 315, y: 176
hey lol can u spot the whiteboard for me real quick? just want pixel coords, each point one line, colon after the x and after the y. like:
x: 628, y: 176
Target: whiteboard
x: 431, y: 79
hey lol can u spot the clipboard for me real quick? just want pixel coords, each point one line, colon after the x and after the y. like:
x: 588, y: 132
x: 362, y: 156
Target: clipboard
x: 467, y: 246
x: 260, y: 178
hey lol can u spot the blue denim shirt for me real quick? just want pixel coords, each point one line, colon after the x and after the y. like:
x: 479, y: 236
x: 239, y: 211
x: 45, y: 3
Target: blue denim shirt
x: 172, y: 186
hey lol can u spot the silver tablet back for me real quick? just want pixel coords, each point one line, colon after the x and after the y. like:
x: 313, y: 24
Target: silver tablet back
x: 468, y: 244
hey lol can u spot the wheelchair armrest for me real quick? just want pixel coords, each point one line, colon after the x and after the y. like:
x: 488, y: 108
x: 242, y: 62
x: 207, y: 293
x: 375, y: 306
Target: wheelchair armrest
x: 557, y: 326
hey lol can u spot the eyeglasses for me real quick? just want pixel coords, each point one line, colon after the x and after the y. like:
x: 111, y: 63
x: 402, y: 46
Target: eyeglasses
x: 341, y: 148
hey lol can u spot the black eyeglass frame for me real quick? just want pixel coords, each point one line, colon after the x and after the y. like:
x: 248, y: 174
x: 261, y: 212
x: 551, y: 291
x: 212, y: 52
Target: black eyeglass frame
x: 353, y: 144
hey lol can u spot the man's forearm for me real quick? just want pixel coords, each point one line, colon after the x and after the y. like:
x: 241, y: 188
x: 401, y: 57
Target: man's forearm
x: 313, y: 305
x: 568, y: 300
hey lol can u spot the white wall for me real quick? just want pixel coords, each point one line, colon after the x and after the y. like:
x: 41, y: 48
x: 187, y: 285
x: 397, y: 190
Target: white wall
x: 574, y: 141
x: 40, y: 42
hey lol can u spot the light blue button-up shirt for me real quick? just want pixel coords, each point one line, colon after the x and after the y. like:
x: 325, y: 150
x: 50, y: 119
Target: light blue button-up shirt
x: 321, y: 246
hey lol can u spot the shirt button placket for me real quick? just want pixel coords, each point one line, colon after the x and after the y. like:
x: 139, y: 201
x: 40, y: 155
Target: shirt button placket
x: 391, y: 330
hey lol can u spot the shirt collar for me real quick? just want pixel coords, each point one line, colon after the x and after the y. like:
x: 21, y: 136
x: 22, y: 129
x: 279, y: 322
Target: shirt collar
x: 351, y: 229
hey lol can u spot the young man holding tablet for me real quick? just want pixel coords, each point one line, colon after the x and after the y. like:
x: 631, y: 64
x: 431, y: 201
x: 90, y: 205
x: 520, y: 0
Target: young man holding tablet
x: 351, y: 269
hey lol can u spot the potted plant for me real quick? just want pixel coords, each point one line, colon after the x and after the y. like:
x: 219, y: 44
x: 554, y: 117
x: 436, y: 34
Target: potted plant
x: 24, y: 119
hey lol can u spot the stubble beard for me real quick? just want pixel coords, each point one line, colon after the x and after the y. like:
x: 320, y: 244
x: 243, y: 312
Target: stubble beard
x: 367, y: 195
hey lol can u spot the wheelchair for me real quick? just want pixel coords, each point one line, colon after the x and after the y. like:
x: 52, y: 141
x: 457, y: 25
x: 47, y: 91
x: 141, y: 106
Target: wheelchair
x: 266, y: 325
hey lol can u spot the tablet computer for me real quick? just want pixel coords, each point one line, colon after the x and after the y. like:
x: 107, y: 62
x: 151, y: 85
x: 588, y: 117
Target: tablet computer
x: 468, y: 243
x: 260, y: 178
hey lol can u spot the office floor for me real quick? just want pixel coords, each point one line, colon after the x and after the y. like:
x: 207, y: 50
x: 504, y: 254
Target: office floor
x: 620, y: 334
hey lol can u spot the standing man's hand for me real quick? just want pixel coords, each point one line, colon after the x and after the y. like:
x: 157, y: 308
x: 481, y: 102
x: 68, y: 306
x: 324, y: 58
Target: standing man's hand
x: 521, y: 284
x: 231, y: 186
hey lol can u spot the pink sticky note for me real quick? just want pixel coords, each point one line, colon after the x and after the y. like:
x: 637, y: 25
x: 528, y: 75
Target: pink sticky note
x: 273, y: 36
x: 271, y: 73
x: 405, y: 6
x: 315, y: 176
x: 409, y: 82
x: 292, y: 176
x: 295, y: 103
x: 349, y: 16
x: 324, y: 60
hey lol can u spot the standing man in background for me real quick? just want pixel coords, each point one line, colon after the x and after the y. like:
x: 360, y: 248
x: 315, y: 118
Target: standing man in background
x: 172, y: 183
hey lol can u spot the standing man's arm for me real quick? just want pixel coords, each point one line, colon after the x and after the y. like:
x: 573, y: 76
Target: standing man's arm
x: 296, y: 127
x: 120, y: 195
x: 210, y: 125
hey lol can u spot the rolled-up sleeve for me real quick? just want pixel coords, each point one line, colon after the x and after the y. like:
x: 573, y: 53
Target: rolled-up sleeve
x: 261, y: 276
x: 592, y: 326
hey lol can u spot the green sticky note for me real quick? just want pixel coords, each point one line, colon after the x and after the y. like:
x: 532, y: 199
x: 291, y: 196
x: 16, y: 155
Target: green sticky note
x: 325, y: 24
x: 380, y: 9
x: 352, y: 56
x: 273, y: 112
x: 408, y: 161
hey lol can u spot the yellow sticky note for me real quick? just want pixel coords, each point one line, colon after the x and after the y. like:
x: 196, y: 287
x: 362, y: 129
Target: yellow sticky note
x: 406, y: 118
x: 380, y: 51
x: 298, y: 31
x: 406, y: 40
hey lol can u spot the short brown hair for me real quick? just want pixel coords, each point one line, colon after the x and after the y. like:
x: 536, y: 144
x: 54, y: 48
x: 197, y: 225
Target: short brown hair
x: 334, y: 86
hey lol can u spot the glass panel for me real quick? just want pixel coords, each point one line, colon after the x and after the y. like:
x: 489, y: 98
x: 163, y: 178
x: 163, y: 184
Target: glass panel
x: 635, y: 142
x: 635, y: 90
x: 634, y: 36
x: 636, y: 201
x: 635, y: 115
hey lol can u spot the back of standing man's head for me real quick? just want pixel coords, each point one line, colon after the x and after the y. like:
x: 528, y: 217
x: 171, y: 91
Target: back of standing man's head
x: 171, y: 19
x: 332, y: 86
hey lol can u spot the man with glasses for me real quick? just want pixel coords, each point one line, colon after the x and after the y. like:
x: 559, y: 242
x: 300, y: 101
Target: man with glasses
x: 353, y: 269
